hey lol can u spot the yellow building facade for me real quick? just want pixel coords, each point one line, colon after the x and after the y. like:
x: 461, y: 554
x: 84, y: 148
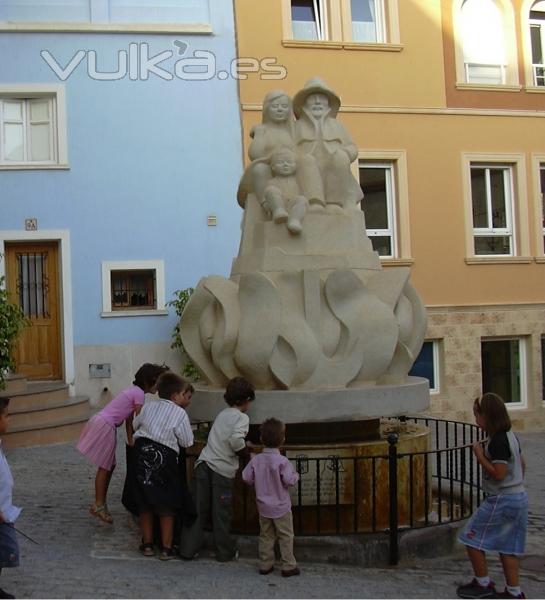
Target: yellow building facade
x: 445, y: 100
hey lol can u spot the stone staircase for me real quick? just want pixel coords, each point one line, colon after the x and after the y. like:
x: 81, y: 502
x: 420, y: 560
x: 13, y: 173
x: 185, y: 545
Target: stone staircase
x: 42, y: 412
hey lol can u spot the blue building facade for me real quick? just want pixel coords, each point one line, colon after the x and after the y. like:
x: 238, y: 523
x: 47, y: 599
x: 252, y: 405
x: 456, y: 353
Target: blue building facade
x: 119, y: 163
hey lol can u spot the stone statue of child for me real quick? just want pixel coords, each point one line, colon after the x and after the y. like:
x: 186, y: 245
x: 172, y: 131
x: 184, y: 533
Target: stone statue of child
x: 277, y: 131
x: 283, y: 196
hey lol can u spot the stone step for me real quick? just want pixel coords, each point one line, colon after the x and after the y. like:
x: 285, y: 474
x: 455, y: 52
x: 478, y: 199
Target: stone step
x: 37, y: 395
x: 73, y: 408
x: 64, y: 430
x: 14, y: 383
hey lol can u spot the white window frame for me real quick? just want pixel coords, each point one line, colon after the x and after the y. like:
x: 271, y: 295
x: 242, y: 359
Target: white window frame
x: 400, y: 199
x: 519, y: 207
x: 56, y: 96
x: 436, y: 354
x: 507, y: 231
x: 99, y: 21
x: 133, y: 265
x: 509, y: 76
x: 530, y: 67
x: 334, y: 25
x: 538, y: 80
x: 523, y: 355
x: 538, y: 166
x: 391, y: 203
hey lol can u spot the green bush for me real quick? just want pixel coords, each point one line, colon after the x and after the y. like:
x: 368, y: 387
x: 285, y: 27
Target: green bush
x: 12, y: 322
x: 181, y: 298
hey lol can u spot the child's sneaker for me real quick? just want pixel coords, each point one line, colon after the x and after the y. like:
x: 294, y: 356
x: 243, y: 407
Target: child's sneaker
x: 167, y: 554
x: 507, y: 594
x: 474, y: 590
x: 146, y: 549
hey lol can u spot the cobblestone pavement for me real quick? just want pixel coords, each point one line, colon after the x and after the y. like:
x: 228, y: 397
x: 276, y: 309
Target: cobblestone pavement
x: 80, y: 557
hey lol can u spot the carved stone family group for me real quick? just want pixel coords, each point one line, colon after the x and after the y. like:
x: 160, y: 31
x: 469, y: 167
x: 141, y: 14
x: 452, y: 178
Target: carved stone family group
x: 300, y: 157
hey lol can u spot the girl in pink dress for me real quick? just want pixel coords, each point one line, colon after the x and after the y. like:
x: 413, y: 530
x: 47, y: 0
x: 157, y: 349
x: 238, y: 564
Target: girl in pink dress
x: 98, y: 439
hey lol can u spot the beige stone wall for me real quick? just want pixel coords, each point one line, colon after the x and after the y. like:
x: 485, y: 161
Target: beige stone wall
x: 459, y: 331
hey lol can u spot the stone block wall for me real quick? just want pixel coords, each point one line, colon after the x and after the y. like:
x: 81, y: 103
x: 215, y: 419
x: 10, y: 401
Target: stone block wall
x: 459, y: 331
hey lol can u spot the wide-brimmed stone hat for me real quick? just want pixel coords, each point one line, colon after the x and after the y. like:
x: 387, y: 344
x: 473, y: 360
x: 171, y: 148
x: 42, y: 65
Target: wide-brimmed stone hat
x: 316, y: 85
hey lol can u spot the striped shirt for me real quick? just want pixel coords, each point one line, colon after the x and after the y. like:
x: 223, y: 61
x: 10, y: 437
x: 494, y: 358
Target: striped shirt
x: 164, y: 422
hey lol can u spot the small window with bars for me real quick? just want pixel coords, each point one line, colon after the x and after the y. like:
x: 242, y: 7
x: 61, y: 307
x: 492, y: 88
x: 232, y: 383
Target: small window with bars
x: 133, y: 289
x: 33, y: 284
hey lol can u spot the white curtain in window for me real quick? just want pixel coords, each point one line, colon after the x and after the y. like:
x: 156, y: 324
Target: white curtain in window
x: 40, y: 130
x: 483, y: 41
x: 364, y: 20
x: 159, y: 11
x: 45, y: 10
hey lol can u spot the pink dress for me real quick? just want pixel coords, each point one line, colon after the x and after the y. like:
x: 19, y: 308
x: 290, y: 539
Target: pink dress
x: 98, y: 438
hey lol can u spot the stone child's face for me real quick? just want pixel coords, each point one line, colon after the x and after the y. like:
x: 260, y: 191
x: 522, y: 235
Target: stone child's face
x: 318, y: 104
x: 284, y: 164
x: 279, y: 109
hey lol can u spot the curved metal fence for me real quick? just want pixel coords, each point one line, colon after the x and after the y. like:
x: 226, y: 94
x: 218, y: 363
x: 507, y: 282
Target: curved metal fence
x: 390, y: 493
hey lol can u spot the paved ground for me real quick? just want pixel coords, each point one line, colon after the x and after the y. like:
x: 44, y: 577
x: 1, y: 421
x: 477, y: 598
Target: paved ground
x: 80, y: 557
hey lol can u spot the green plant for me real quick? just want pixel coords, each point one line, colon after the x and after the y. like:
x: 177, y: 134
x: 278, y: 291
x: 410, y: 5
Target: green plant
x: 12, y: 322
x: 181, y: 298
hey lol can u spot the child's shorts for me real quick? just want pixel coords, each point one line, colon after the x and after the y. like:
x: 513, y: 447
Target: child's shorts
x: 9, y: 548
x: 498, y: 525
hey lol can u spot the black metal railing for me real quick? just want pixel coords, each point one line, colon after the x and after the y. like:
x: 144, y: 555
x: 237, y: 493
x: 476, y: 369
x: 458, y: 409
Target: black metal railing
x: 388, y: 493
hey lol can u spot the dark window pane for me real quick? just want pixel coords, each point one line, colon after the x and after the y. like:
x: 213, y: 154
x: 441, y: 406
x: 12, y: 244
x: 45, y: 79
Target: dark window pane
x: 492, y: 245
x: 478, y: 198
x: 302, y: 10
x: 375, y: 198
x: 423, y: 365
x: 497, y: 189
x: 133, y: 289
x: 537, y: 50
x: 501, y: 368
x: 382, y: 244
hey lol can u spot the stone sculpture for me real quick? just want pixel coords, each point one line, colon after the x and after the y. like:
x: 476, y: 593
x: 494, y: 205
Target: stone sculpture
x: 307, y: 305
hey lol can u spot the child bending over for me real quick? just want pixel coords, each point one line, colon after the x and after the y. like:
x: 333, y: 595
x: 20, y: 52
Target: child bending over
x: 98, y: 439
x: 499, y: 524
x: 215, y: 471
x: 161, y: 427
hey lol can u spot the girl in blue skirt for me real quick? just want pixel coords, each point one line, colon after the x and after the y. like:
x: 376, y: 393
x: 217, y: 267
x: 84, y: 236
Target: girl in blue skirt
x: 499, y: 524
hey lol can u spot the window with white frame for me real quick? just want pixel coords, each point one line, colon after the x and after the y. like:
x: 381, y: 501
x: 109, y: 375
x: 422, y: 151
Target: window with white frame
x: 105, y: 11
x: 542, y: 192
x: 492, y: 208
x: 537, y: 41
x: 28, y: 132
x: 483, y: 42
x: 427, y: 364
x: 362, y: 21
x: 379, y: 206
x: 503, y: 368
x: 133, y: 288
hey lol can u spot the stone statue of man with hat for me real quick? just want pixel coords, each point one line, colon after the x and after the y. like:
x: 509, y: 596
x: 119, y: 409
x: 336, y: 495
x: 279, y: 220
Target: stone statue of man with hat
x: 317, y: 132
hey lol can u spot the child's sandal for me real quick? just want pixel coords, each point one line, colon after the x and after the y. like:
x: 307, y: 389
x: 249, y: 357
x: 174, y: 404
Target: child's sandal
x: 102, y: 513
x: 147, y: 549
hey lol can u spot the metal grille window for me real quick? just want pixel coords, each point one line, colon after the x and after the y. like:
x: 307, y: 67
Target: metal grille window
x: 133, y: 290
x: 492, y: 206
x: 26, y: 130
x: 33, y: 284
x: 378, y: 204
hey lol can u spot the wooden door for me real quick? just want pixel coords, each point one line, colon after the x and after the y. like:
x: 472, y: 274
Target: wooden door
x: 32, y: 280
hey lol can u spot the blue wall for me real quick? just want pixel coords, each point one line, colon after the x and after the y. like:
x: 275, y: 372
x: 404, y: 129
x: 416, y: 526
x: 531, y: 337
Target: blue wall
x: 149, y: 160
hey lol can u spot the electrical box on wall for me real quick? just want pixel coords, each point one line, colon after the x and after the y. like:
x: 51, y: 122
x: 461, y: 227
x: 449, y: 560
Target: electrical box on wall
x: 100, y: 370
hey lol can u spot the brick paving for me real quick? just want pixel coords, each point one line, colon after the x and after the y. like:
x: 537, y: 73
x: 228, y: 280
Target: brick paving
x: 80, y: 557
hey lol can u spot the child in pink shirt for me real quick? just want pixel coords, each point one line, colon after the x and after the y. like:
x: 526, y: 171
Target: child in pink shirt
x: 99, y: 436
x: 272, y: 474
